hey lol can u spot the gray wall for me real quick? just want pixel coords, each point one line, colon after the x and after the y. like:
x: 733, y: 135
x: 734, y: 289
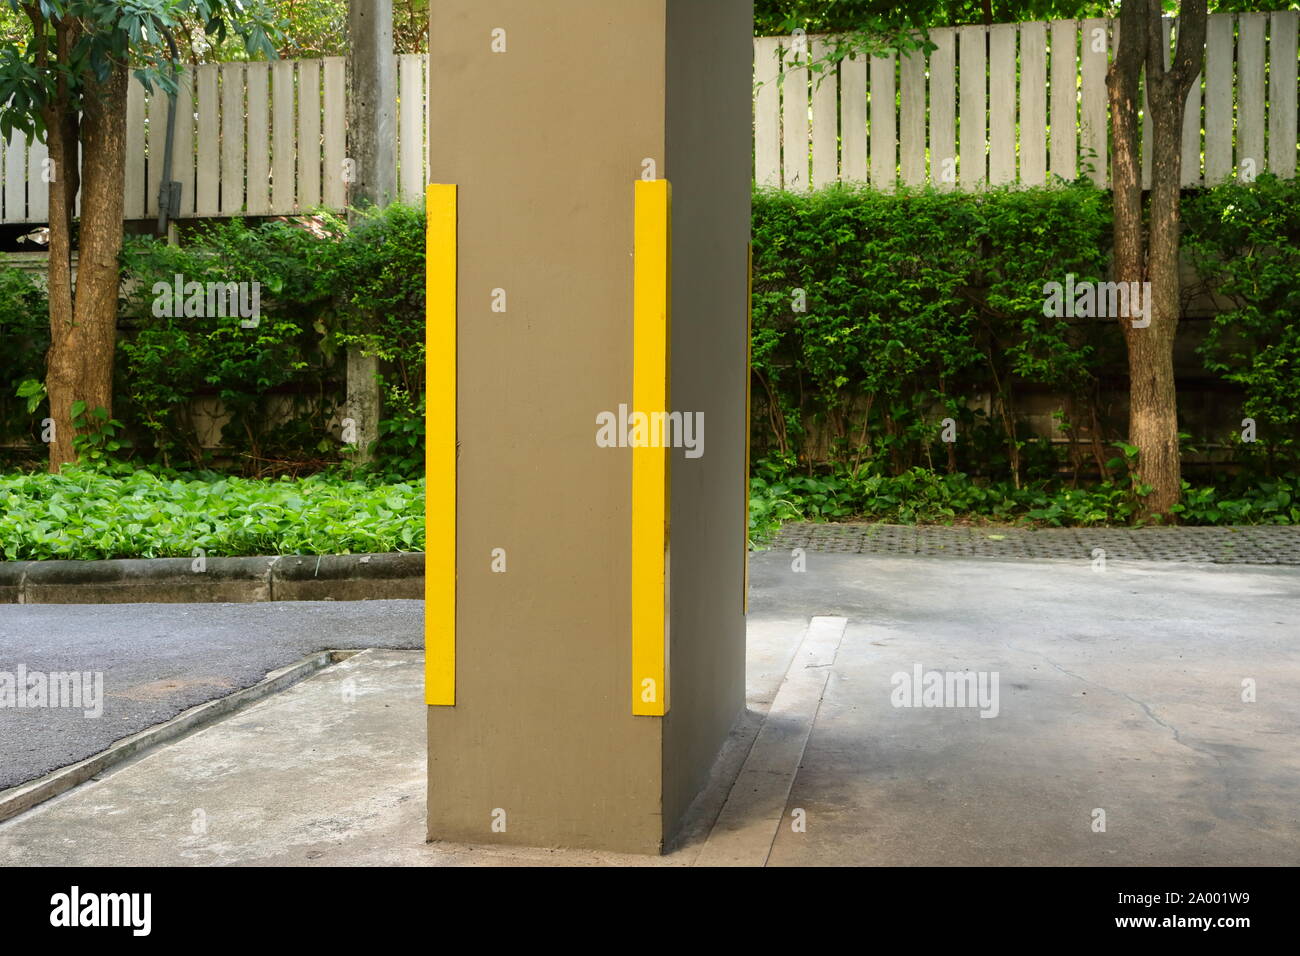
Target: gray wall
x: 710, y: 54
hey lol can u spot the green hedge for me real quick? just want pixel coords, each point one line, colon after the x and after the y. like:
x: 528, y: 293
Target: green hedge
x: 24, y: 340
x: 876, y: 317
x: 1245, y: 242
x: 916, y: 302
x: 324, y: 287
x: 164, y: 360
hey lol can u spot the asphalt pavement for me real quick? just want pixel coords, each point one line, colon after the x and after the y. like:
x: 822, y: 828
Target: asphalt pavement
x: 157, y: 660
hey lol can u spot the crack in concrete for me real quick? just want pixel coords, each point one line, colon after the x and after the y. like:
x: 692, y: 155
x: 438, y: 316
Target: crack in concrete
x: 1225, y: 777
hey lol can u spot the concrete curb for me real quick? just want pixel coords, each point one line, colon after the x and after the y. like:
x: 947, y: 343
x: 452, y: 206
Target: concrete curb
x: 329, y: 577
x: 746, y: 827
x: 23, y: 797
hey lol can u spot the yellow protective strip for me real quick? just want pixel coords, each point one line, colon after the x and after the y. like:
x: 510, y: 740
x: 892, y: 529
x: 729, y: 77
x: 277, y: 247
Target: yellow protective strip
x: 440, y: 449
x: 651, y: 321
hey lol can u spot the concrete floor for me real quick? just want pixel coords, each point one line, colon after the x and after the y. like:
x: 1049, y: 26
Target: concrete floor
x: 1118, y: 691
x: 294, y: 780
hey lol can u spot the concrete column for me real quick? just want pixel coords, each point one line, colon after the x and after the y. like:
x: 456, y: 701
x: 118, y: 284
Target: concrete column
x: 372, y: 146
x: 554, y: 273
x: 363, y: 401
x: 372, y: 103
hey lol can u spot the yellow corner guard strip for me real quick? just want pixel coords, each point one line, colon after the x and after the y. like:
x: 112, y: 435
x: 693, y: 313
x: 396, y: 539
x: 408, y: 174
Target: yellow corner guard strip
x: 652, y: 284
x: 440, y: 449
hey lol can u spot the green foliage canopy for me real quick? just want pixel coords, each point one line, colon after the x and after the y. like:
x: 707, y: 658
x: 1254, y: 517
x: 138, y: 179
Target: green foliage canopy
x: 104, y: 33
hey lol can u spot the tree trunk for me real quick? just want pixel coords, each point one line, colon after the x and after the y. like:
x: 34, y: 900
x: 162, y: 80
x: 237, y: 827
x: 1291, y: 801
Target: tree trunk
x: 63, y: 130
x: 1153, y: 406
x: 83, y: 344
x: 1153, y: 412
x: 1156, y: 432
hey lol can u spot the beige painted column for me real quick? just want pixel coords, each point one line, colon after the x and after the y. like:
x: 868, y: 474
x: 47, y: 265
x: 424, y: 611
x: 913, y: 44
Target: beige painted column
x: 544, y: 117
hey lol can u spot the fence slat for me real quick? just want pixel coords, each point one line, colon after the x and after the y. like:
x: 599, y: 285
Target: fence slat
x: 134, y: 187
x: 232, y: 138
x: 943, y: 107
x: 825, y: 119
x: 794, y: 119
x: 15, y: 161
x: 1065, y: 99
x: 1191, y: 161
x: 884, y: 123
x: 767, y: 111
x: 183, y: 144
x: 1282, y: 92
x: 1166, y: 29
x: 1002, y: 103
x: 1033, y: 103
x: 156, y: 104
x: 1250, y: 94
x: 853, y: 119
x: 1218, y: 98
x: 972, y: 118
x: 411, y: 127
x: 911, y: 121
x: 259, y: 139
x: 38, y: 190
x: 1094, y: 141
x: 309, y: 142
x: 76, y: 201
x: 208, y: 188
x: 333, y: 187
x: 424, y: 117
x: 283, y: 128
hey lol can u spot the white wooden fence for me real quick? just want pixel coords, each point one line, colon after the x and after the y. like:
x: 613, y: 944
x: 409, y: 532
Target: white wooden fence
x: 251, y: 138
x: 1002, y: 104
x: 965, y: 116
